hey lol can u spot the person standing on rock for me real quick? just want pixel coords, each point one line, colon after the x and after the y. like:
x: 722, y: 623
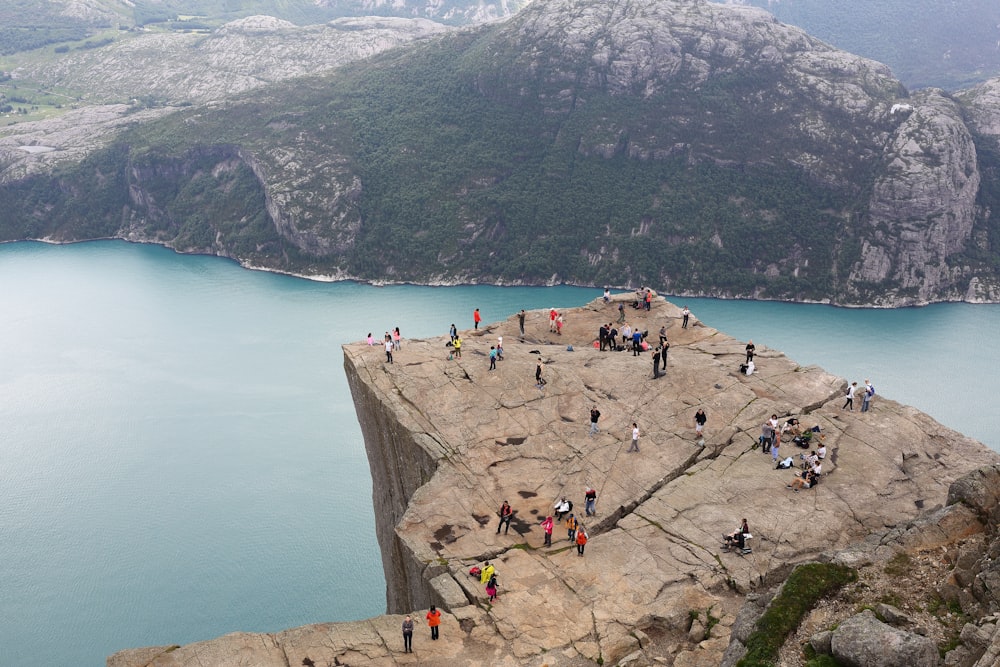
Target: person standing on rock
x: 595, y: 414
x: 457, y: 345
x: 453, y: 332
x: 499, y: 348
x: 506, y: 514
x: 571, y: 525
x: 434, y: 621
x: 751, y: 348
x: 656, y: 363
x: 476, y: 319
x: 493, y: 357
x: 699, y: 424
x: 621, y: 313
x: 866, y: 397
x: 491, y: 589
x: 397, y: 339
x: 590, y: 501
x: 553, y: 314
x: 581, y: 540
x: 539, y: 380
x: 635, y: 438
x: 547, y: 524
x: 408, y: 635
x: 520, y: 321
x: 388, y: 351
x: 849, y: 403
x: 685, y: 314
x: 602, y: 337
x: 663, y: 335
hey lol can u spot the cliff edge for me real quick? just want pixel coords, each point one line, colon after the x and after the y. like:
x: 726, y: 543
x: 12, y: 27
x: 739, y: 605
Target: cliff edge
x: 449, y: 440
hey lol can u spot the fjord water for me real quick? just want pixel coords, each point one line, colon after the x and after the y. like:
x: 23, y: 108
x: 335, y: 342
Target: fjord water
x: 179, y: 454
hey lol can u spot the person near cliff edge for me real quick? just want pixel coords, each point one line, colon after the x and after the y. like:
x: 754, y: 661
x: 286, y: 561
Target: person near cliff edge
x: 434, y: 621
x: 581, y: 540
x: 866, y: 397
x: 520, y: 321
x: 686, y: 314
x: 849, y: 403
x: 408, y: 635
x: 506, y: 514
x: 476, y: 318
x: 751, y: 348
x: 388, y: 351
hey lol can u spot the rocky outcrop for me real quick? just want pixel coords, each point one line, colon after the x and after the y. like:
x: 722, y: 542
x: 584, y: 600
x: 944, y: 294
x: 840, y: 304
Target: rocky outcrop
x: 938, y: 567
x: 449, y: 440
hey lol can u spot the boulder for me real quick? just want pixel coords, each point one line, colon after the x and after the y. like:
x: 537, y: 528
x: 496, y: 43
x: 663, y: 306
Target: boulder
x: 865, y: 641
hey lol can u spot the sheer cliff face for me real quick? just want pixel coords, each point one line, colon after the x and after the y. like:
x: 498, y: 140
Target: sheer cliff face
x: 399, y: 466
x: 923, y: 204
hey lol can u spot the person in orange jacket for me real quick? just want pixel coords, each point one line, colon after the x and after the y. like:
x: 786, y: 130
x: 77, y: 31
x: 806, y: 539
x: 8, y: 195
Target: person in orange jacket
x: 581, y: 540
x: 433, y: 621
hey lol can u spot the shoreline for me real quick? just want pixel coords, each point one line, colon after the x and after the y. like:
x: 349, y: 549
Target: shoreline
x: 344, y: 277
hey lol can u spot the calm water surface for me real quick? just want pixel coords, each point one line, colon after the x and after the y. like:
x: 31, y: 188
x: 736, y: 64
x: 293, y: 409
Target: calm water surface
x: 179, y: 454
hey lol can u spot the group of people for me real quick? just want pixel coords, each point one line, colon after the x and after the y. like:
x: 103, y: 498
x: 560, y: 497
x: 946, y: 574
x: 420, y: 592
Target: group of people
x: 575, y: 531
x: 867, y: 392
x: 391, y: 342
x: 433, y: 622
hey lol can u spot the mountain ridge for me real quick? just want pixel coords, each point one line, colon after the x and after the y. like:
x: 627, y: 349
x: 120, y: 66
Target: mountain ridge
x: 699, y: 148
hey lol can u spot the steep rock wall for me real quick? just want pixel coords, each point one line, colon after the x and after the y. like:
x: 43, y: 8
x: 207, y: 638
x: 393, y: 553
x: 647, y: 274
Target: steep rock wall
x: 401, y: 461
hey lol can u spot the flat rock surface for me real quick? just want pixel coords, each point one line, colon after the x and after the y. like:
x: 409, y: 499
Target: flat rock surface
x: 653, y: 568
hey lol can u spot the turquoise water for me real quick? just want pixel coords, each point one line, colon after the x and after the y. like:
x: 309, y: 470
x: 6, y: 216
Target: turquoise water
x: 179, y: 455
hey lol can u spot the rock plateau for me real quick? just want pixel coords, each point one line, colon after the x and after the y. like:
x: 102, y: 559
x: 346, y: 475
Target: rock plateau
x: 448, y: 440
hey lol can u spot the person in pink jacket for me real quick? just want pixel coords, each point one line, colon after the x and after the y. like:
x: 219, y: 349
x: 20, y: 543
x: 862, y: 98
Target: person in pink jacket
x: 547, y: 524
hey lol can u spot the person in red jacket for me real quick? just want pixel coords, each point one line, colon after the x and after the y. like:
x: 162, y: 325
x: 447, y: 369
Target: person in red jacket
x: 476, y: 318
x: 433, y: 621
x: 581, y: 540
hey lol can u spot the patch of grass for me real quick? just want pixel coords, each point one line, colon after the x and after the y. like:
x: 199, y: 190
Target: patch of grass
x: 710, y: 622
x: 899, y: 565
x: 949, y: 645
x: 805, y: 586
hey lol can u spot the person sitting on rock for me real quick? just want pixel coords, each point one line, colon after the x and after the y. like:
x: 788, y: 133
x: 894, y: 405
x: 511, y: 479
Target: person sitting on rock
x: 562, y: 508
x: 821, y: 452
x: 809, y: 460
x: 735, y: 536
x: 806, y: 482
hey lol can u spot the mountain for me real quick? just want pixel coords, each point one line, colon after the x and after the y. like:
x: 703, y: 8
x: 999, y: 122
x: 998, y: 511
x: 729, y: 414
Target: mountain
x: 926, y: 42
x: 695, y: 147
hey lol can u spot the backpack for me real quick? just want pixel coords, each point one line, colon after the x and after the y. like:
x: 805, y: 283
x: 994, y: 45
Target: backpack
x: 492, y: 583
x: 570, y: 503
x: 474, y: 571
x: 871, y: 390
